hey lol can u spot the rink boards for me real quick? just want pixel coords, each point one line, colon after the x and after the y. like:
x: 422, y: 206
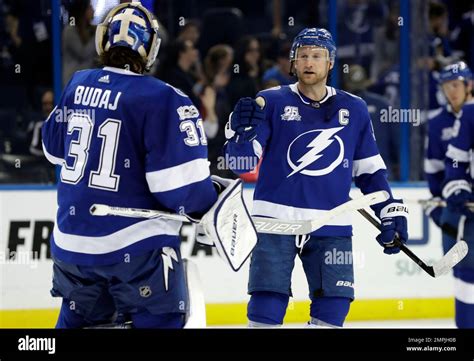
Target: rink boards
x: 386, y: 287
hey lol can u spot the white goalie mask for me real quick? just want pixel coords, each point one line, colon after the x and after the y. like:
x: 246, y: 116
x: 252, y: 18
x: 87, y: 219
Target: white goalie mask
x: 132, y: 26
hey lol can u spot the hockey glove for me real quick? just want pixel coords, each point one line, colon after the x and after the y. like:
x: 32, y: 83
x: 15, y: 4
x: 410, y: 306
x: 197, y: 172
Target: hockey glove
x: 434, y: 211
x: 243, y: 121
x: 457, y: 193
x: 394, y: 226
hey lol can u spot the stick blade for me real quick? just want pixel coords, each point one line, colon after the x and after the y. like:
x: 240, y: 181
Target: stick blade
x: 451, y: 258
x: 99, y: 210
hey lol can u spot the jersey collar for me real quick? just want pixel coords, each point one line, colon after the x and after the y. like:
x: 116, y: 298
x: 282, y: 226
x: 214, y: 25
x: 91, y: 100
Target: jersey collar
x: 449, y: 109
x: 120, y: 71
x: 330, y: 91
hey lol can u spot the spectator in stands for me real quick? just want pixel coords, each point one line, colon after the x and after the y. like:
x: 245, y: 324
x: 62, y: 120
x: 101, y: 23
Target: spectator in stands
x: 245, y: 81
x: 279, y: 74
x: 463, y: 36
x: 387, y: 134
x: 28, y: 25
x: 190, y: 31
x: 78, y: 39
x: 439, y: 51
x: 387, y: 44
x: 34, y: 127
x: 356, y: 30
x: 177, y: 69
x: 217, y: 67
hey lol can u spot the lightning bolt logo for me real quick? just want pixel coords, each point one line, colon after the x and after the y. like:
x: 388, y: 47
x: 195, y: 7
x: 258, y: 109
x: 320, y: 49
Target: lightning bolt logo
x: 316, y: 146
x: 168, y: 254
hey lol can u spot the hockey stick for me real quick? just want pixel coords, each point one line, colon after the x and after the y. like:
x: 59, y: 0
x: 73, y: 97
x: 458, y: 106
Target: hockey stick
x: 441, y: 267
x: 441, y: 203
x: 262, y: 224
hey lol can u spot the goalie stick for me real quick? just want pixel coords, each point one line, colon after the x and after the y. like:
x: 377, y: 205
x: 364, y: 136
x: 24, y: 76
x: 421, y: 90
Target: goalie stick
x: 262, y: 224
x: 441, y: 267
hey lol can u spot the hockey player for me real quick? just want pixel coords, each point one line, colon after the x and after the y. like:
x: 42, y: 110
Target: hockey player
x: 313, y: 139
x: 122, y: 138
x: 457, y: 188
x: 454, y: 81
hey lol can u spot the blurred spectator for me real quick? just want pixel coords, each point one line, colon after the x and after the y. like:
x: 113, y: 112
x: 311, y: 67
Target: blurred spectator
x: 356, y: 30
x: 28, y: 25
x: 78, y: 39
x: 217, y: 65
x: 245, y: 81
x: 388, y: 85
x: 462, y: 37
x: 176, y: 69
x: 387, y: 44
x: 34, y: 127
x: 387, y: 134
x: 279, y: 74
x: 190, y: 31
x: 220, y: 26
x: 439, y: 51
x: 22, y: 159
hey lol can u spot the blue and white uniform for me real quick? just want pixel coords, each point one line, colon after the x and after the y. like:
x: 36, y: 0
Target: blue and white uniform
x: 319, y: 148
x: 310, y: 153
x: 124, y: 139
x: 128, y: 140
x: 459, y: 177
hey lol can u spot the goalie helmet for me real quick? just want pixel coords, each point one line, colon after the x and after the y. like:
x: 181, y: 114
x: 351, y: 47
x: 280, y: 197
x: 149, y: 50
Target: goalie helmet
x: 314, y: 37
x: 455, y: 71
x: 132, y: 26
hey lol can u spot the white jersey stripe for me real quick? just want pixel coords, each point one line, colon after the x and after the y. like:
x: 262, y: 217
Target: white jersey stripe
x: 280, y: 211
x: 433, y: 166
x: 178, y: 176
x: 117, y: 240
x: 367, y: 165
x: 464, y: 291
x: 51, y: 158
x: 458, y: 154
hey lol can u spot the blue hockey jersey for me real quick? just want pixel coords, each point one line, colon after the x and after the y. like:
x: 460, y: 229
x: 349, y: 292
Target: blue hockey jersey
x: 459, y: 160
x: 440, y: 132
x: 311, y: 152
x: 126, y: 140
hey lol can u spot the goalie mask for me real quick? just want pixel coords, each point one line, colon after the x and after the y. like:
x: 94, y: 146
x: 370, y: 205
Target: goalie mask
x: 132, y: 26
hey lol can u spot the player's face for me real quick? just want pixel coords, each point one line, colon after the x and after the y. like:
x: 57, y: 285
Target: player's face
x: 312, y: 64
x: 455, y: 91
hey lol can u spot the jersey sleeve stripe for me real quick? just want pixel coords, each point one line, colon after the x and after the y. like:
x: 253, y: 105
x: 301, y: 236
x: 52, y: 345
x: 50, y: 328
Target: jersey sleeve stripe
x: 458, y: 154
x: 281, y: 211
x: 178, y: 176
x: 117, y: 240
x: 432, y: 166
x: 464, y: 291
x: 367, y: 165
x: 51, y: 158
x: 257, y: 148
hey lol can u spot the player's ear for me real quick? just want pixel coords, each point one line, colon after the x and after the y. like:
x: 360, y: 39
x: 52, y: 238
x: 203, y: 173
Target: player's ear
x: 331, y: 64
